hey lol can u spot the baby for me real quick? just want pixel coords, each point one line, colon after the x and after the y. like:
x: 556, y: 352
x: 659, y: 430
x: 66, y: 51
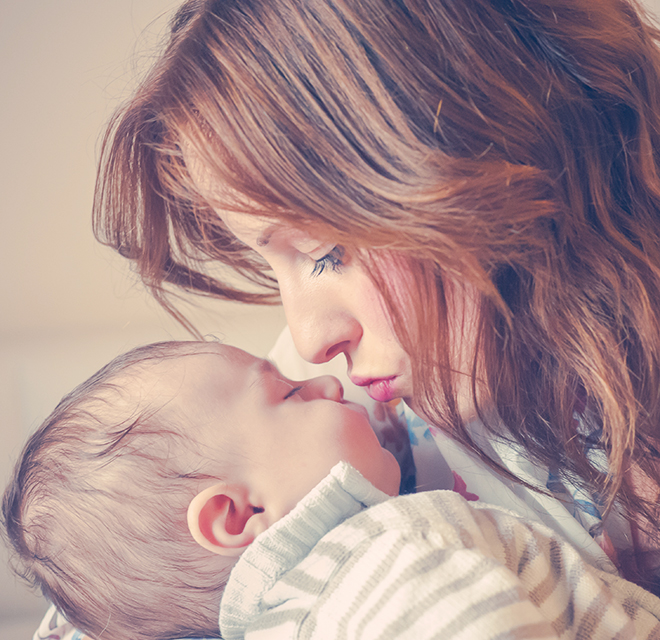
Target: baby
x: 189, y: 478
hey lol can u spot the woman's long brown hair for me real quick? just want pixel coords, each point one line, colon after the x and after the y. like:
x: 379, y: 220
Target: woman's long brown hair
x: 511, y: 144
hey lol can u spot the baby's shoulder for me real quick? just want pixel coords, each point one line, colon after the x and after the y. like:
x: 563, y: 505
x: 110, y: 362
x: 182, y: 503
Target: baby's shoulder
x: 440, y: 519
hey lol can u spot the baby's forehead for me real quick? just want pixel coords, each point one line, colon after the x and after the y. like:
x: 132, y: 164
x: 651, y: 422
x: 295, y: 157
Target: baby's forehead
x: 193, y: 366
x: 181, y: 354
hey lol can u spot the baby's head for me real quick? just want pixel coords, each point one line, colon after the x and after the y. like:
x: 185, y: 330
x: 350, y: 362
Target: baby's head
x: 132, y: 502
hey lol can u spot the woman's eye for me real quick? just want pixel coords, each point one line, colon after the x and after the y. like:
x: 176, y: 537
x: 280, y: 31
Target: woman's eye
x: 292, y: 392
x: 333, y: 259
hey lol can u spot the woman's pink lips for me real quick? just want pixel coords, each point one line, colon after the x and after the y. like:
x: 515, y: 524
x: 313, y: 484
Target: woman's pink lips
x: 378, y: 389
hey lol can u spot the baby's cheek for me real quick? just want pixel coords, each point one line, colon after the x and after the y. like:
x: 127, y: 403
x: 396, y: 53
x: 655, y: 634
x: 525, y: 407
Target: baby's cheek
x: 392, y: 475
x: 376, y: 463
x: 364, y: 443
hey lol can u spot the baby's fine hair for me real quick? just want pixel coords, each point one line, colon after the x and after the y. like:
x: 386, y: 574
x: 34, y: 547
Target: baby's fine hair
x: 96, y: 511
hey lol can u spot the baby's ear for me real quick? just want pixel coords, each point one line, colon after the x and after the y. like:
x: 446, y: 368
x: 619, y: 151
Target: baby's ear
x: 222, y: 520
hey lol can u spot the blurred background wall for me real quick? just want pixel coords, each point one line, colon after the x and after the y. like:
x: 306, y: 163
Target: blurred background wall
x: 67, y: 304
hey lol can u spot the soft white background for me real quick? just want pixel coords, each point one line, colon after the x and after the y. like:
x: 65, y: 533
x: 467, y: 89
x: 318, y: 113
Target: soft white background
x: 67, y: 304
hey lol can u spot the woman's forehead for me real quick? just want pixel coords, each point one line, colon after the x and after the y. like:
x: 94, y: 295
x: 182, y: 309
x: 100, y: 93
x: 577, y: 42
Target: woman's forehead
x: 230, y: 205
x: 246, y: 215
x: 257, y: 231
x: 243, y: 225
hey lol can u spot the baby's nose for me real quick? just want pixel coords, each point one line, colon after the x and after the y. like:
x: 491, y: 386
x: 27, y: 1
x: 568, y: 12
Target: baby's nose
x: 326, y: 387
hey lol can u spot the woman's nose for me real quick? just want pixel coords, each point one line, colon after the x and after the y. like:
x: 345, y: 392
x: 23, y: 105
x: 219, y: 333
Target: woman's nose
x: 323, y: 387
x: 320, y: 332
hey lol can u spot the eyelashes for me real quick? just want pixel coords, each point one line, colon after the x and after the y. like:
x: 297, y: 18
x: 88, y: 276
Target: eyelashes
x: 292, y: 392
x: 334, y: 260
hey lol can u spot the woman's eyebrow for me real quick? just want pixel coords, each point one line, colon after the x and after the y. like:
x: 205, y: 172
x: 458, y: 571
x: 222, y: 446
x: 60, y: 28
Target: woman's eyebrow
x: 264, y: 237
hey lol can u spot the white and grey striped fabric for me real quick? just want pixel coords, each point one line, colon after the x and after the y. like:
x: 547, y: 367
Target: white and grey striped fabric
x: 351, y: 563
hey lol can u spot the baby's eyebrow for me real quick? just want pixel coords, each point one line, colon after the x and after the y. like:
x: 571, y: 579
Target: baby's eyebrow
x: 264, y: 368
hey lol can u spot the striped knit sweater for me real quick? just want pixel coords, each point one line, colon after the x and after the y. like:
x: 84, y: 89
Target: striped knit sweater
x: 350, y: 562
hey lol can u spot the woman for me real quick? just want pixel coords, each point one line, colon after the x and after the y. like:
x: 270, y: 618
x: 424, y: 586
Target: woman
x: 462, y: 198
